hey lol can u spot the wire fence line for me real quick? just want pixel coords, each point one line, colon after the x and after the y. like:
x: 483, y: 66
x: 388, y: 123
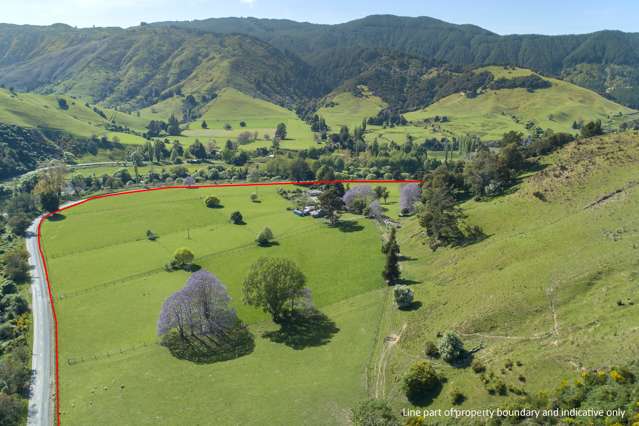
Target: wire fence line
x: 147, y: 273
x: 98, y: 356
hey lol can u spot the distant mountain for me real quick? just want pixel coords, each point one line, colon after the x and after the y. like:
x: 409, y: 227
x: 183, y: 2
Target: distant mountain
x: 140, y: 66
x: 605, y: 61
x: 292, y: 63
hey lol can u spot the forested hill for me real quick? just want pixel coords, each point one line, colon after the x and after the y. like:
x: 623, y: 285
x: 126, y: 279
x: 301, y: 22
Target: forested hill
x: 287, y: 62
x: 143, y: 65
x: 605, y: 61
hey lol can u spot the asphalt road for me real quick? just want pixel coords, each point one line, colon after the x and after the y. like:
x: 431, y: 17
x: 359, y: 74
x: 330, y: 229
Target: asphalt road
x: 41, y: 408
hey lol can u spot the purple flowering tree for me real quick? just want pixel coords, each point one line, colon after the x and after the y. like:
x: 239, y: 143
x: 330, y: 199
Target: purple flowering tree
x: 374, y: 210
x: 358, y: 197
x: 200, y: 308
x: 189, y: 181
x: 409, y: 195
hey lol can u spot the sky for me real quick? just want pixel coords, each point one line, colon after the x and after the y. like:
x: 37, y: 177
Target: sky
x: 500, y: 16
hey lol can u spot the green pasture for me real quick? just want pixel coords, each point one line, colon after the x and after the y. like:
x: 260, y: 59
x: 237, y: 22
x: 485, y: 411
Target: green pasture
x: 346, y: 109
x: 543, y: 287
x: 109, y: 285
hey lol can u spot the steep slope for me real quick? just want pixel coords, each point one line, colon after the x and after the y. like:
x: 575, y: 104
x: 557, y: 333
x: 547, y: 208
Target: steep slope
x: 612, y: 53
x: 80, y: 120
x: 143, y: 65
x: 494, y: 112
x: 21, y: 149
x: 552, y: 289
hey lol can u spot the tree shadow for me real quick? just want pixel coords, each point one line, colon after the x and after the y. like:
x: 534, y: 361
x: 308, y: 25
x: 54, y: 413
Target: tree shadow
x: 423, y: 399
x: 205, y: 350
x: 464, y: 361
x: 56, y: 217
x: 304, y: 329
x: 403, y: 258
x: 349, y: 226
x: 405, y: 281
x: 269, y: 244
x: 412, y: 307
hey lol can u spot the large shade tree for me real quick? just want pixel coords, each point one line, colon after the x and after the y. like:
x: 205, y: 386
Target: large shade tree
x: 199, y: 309
x: 409, y: 194
x: 275, y: 285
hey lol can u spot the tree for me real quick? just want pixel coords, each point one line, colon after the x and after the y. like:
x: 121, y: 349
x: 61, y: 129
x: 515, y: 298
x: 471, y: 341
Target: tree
x: 242, y: 123
x: 16, y: 264
x: 188, y: 107
x: 12, y: 410
x: 280, y: 131
x: 300, y: 171
x: 254, y: 197
x: 420, y: 380
x: 591, y: 129
x: 19, y: 223
x: 50, y: 201
x: 374, y: 412
x: 358, y: 197
x: 274, y: 284
x: 440, y: 215
x: 450, y: 347
x: 264, y: 238
x: 200, y: 308
x: 62, y: 104
x: 197, y: 150
x: 183, y: 258
x: 409, y: 194
x: 331, y: 203
x: 403, y: 296
x: 325, y: 173
x: 173, y: 126
x: 381, y: 192
x: 391, y: 272
x: 212, y: 202
x: 236, y: 218
x: 512, y: 137
x: 204, y: 125
x: 391, y: 242
x: 485, y: 175
x: 511, y: 157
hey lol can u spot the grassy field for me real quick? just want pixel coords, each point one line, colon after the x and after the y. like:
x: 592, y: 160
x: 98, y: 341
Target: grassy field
x: 542, y: 289
x: 495, y: 112
x: 231, y: 107
x: 109, y: 286
x: 32, y: 110
x: 349, y: 110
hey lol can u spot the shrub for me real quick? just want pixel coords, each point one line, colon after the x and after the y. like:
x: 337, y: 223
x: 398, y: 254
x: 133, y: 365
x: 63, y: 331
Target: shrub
x: 456, y: 397
x: 420, y: 380
x: 403, y: 296
x: 19, y: 223
x: 151, y: 236
x: 254, y: 197
x: 374, y: 412
x: 478, y: 366
x: 430, y: 349
x: 182, y: 259
x: 450, y: 347
x: 212, y: 202
x: 264, y: 238
x: 236, y: 218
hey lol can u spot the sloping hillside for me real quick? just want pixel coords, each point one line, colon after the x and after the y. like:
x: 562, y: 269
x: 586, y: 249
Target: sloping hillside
x: 78, y: 119
x: 233, y: 112
x: 494, y: 112
x: 552, y: 289
x: 143, y: 65
x: 347, y: 109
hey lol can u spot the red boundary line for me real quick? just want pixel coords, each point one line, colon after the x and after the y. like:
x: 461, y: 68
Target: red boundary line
x: 159, y: 188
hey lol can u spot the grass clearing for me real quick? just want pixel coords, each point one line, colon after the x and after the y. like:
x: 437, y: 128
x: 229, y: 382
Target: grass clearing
x: 109, y: 286
x: 346, y: 109
x: 543, y: 288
